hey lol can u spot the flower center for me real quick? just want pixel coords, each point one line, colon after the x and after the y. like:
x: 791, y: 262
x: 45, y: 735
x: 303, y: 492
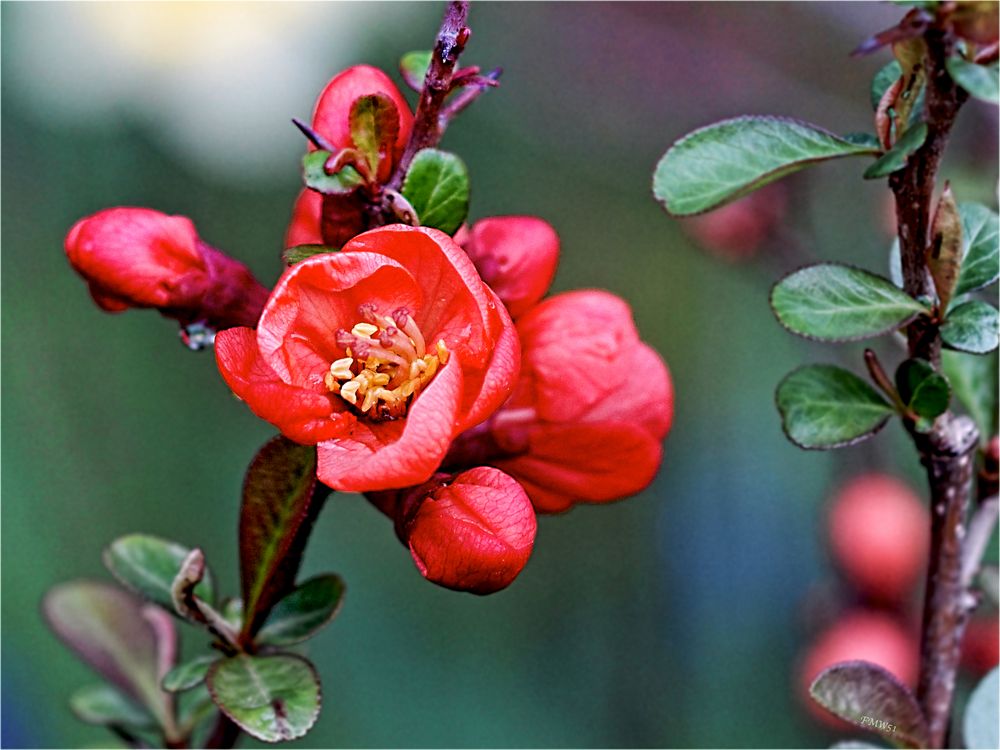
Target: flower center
x: 386, y: 366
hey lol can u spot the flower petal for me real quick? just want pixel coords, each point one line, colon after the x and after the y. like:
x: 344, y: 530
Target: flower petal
x: 304, y: 228
x: 493, y: 385
x: 301, y: 415
x: 400, y: 453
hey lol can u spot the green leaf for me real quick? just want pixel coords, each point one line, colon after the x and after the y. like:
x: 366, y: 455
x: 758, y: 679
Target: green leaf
x: 413, y: 67
x: 981, y: 261
x: 833, y: 302
x: 895, y: 158
x: 273, y: 698
x: 148, y: 565
x: 980, y: 722
x: 275, y: 518
x: 437, y: 186
x: 301, y: 614
x: 975, y: 382
x: 188, y: 674
x: 232, y: 613
x: 719, y: 163
x: 374, y: 122
x: 107, y: 628
x: 981, y: 81
x: 868, y: 696
x: 103, y: 705
x: 825, y: 407
x: 972, y: 327
x: 887, y: 75
x: 314, y: 174
x: 865, y: 140
x: 922, y: 388
x: 292, y: 255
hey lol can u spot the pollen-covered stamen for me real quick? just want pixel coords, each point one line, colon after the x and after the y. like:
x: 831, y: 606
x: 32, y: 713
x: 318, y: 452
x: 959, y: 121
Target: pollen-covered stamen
x: 386, y: 364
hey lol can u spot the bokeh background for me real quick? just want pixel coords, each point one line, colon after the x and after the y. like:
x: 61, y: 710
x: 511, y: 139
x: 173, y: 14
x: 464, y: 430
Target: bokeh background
x: 675, y: 618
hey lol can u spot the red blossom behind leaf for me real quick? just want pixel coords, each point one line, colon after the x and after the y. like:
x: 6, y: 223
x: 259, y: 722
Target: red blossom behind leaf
x: 138, y: 257
x: 471, y: 532
x: 590, y: 410
x: 380, y: 354
x: 516, y: 256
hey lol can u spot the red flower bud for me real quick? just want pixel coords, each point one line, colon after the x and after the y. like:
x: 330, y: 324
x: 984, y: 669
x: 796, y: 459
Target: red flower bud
x: 737, y: 230
x: 137, y: 257
x: 380, y: 354
x: 516, y: 256
x: 590, y: 410
x: 981, y: 645
x: 879, y: 536
x: 473, y: 532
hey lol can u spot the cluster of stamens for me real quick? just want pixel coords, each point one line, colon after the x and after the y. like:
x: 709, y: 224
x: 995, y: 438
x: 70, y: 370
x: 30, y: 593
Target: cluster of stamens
x: 386, y: 363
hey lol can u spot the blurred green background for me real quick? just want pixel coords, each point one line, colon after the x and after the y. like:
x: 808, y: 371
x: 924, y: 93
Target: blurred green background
x: 675, y: 618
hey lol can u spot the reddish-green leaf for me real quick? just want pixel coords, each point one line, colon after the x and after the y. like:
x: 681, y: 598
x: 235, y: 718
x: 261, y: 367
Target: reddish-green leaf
x: 277, y: 513
x: 374, y: 128
x: 944, y: 256
x: 870, y: 697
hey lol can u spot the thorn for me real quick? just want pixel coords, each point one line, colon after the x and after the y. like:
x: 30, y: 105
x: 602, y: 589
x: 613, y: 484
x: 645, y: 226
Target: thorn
x: 315, y: 138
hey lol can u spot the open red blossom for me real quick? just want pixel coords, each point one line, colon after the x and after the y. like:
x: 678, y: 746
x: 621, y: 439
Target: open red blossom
x: 588, y: 416
x: 138, y: 257
x: 380, y: 354
x: 333, y: 219
x: 516, y: 256
x: 471, y: 532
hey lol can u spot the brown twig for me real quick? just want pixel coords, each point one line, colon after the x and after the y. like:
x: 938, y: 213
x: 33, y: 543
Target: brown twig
x: 948, y: 451
x: 224, y: 734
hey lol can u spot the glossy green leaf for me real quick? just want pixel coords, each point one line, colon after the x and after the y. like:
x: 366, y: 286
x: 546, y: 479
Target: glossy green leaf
x: 413, y: 67
x: 292, y: 255
x: 868, y: 696
x: 437, y: 186
x: 301, y: 614
x: 107, y: 628
x: 188, y: 674
x: 981, y: 261
x: 273, y: 698
x: 148, y: 565
x: 103, y: 705
x: 981, y: 714
x: 896, y: 158
x: 275, y: 518
x: 887, y: 75
x: 975, y: 382
x: 922, y: 388
x: 314, y: 174
x: 981, y: 81
x: 832, y: 302
x: 825, y: 407
x: 724, y: 161
x: 972, y: 327
x: 374, y: 122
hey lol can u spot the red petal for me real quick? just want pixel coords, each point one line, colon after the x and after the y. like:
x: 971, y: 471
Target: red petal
x: 303, y: 416
x: 304, y: 228
x: 390, y: 455
x: 475, y: 534
x: 593, y: 462
x: 646, y: 398
x: 492, y: 386
x: 315, y: 298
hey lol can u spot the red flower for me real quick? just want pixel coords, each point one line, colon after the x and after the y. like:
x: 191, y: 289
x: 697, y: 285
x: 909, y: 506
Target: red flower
x: 516, y: 256
x: 137, y: 257
x: 471, y: 532
x: 334, y: 219
x: 380, y: 354
x: 589, y: 412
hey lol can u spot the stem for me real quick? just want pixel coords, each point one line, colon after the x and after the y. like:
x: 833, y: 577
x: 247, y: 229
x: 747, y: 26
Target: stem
x: 947, y: 452
x: 224, y: 734
x: 427, y: 124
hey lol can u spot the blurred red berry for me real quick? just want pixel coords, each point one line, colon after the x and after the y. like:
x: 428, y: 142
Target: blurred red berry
x: 868, y: 636
x: 981, y: 647
x: 737, y: 230
x: 380, y: 354
x: 879, y: 536
x: 471, y: 532
x: 138, y: 257
x: 516, y: 256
